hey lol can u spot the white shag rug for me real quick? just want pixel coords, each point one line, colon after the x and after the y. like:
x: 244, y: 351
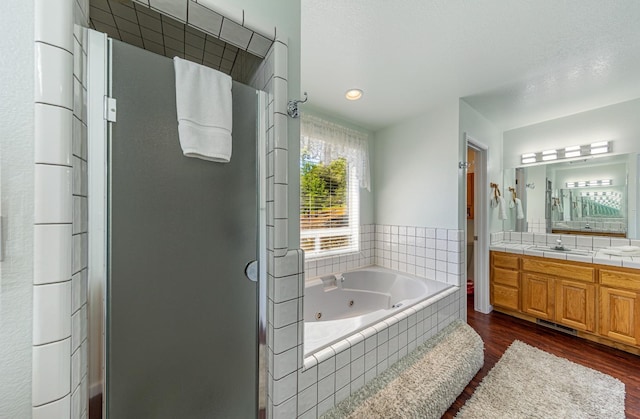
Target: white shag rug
x: 530, y: 383
x: 421, y: 385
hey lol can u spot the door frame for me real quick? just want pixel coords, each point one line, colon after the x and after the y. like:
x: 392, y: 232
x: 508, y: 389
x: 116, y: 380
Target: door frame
x: 98, y: 74
x: 481, y: 226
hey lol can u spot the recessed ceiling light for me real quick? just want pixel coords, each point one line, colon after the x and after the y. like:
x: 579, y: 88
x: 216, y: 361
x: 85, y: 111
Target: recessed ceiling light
x: 353, y: 94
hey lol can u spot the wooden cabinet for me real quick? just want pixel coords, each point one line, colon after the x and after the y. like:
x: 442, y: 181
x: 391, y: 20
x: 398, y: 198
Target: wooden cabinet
x: 619, y: 305
x: 505, y: 281
x: 561, y: 292
x: 601, y: 303
x: 576, y: 304
x: 620, y: 315
x: 537, y: 295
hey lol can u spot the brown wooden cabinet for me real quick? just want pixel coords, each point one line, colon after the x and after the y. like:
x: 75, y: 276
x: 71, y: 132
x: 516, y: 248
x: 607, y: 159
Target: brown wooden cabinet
x: 619, y: 305
x: 538, y: 295
x: 620, y: 315
x: 505, y: 281
x: 600, y: 302
x: 559, y: 291
x: 576, y: 304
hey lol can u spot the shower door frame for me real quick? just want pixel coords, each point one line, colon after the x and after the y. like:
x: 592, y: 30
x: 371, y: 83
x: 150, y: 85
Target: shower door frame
x: 99, y: 116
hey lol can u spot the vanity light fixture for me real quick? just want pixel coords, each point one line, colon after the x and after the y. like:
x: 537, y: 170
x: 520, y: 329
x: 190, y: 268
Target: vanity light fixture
x: 573, y: 151
x: 549, y: 155
x: 585, y: 183
x: 600, y: 147
x: 353, y: 94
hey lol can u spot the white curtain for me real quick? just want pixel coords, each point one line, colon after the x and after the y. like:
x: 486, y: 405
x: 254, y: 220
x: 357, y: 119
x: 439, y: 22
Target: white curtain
x: 327, y: 141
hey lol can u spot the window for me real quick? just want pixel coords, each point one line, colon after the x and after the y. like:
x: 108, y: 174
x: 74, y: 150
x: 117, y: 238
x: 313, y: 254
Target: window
x: 332, y: 170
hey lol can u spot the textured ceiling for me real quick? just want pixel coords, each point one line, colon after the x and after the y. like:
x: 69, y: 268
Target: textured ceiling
x: 517, y: 62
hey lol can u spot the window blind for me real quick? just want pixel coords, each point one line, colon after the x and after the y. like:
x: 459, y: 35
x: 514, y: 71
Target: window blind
x: 329, y: 207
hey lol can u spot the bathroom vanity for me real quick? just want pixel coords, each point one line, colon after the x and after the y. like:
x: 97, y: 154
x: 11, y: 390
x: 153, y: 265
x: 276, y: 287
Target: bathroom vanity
x: 594, y: 301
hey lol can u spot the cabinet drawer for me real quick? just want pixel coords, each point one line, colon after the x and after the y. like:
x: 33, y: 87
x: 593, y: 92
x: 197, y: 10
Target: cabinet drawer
x: 506, y: 297
x: 506, y: 277
x: 504, y: 260
x: 562, y: 269
x: 619, y: 279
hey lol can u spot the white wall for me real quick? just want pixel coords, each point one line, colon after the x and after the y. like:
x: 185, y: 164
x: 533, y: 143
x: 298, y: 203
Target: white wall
x: 536, y: 197
x: 618, y: 123
x: 415, y: 170
x: 480, y: 128
x: 17, y: 176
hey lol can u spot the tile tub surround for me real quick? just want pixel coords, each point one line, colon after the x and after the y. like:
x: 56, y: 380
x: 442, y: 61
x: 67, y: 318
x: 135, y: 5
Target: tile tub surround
x: 521, y: 243
x: 334, y: 373
x: 316, y: 383
x: 432, y: 253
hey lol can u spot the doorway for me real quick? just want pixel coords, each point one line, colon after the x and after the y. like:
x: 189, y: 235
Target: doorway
x: 470, y: 220
x: 477, y: 229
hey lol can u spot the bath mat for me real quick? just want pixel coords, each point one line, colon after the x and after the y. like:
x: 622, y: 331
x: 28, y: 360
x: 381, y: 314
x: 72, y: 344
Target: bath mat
x: 424, y: 383
x: 530, y: 383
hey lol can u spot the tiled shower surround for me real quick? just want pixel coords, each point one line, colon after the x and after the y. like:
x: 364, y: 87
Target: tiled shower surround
x: 307, y: 387
x: 60, y: 381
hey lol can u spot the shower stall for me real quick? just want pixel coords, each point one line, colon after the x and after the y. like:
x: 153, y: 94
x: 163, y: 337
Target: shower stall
x: 179, y: 238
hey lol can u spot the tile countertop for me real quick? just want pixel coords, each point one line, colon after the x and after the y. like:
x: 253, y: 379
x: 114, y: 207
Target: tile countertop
x: 595, y: 257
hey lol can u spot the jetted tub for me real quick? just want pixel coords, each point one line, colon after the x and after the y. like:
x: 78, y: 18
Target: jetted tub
x: 337, y: 306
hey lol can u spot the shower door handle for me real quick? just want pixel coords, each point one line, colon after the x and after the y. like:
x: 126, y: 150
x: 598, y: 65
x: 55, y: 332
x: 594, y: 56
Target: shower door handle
x: 251, y: 271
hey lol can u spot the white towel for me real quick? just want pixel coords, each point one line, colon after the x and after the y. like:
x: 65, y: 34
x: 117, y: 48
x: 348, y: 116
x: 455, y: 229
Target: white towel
x: 519, y: 211
x: 502, y: 209
x: 203, y: 101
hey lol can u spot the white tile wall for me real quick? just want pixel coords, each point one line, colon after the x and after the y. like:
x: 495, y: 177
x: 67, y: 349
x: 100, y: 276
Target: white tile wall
x: 284, y: 270
x: 432, y: 253
x: 60, y: 247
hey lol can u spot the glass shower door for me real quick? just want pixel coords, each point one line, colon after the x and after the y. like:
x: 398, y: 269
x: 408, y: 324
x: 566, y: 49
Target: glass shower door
x: 182, y: 333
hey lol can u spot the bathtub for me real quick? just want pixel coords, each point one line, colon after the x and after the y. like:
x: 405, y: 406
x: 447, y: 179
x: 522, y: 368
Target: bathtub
x: 337, y: 306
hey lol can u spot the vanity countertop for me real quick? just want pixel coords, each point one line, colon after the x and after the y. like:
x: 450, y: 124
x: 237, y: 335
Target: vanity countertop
x: 593, y: 256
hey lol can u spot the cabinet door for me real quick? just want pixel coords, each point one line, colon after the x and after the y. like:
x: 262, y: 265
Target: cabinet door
x: 576, y: 304
x: 620, y: 315
x: 537, y: 296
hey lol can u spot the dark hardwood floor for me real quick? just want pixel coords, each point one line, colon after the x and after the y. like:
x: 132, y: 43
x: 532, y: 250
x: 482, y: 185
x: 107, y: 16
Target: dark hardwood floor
x: 499, y: 330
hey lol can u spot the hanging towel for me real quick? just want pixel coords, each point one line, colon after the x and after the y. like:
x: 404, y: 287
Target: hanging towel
x: 203, y: 101
x: 519, y: 211
x: 502, y: 209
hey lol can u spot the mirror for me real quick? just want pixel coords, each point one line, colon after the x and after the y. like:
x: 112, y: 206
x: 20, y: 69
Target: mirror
x: 585, y: 196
